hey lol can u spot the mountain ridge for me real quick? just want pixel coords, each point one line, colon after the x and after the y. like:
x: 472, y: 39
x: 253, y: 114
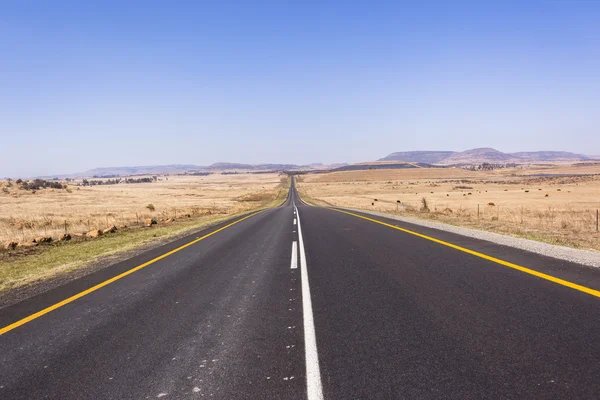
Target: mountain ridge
x: 481, y: 155
x: 181, y: 168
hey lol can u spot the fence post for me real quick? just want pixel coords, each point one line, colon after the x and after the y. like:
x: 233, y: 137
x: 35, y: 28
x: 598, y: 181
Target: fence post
x: 521, y: 215
x: 477, y: 211
x: 596, y: 220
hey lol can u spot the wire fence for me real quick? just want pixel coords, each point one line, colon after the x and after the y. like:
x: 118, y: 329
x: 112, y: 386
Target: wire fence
x: 551, y: 218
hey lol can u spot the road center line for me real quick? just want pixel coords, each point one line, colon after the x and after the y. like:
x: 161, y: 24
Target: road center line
x: 314, y: 387
x: 294, y: 221
x: 294, y: 262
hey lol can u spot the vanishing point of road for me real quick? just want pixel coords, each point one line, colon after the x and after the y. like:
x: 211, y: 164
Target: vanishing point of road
x: 304, y: 302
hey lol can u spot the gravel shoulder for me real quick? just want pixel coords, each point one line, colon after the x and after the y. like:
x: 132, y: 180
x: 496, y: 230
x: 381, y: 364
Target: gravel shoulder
x: 583, y: 257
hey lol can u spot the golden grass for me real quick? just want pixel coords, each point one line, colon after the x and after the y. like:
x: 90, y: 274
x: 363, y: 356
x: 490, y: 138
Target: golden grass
x: 391, y: 174
x: 560, y: 210
x: 25, y: 215
x: 50, y: 261
x: 208, y: 200
x: 580, y: 168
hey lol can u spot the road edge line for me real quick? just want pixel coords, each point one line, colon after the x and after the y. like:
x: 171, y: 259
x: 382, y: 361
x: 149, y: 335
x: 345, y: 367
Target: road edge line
x: 550, y: 278
x: 79, y: 295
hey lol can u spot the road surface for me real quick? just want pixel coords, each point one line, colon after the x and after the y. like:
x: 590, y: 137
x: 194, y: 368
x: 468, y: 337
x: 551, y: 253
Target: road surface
x: 304, y: 302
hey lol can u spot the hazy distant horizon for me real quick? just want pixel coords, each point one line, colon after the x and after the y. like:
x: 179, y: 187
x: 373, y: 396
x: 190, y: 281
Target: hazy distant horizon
x: 54, y: 173
x: 113, y: 84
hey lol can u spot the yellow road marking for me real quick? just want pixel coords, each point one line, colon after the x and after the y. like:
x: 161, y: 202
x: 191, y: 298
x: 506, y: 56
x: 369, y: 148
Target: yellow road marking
x: 113, y: 279
x: 547, y: 277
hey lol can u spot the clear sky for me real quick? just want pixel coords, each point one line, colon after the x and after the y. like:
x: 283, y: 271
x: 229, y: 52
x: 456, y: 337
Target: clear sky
x: 87, y: 85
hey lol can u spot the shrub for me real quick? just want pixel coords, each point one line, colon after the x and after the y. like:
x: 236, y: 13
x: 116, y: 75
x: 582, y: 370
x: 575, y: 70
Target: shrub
x: 151, y: 207
x: 38, y: 184
x: 424, y: 204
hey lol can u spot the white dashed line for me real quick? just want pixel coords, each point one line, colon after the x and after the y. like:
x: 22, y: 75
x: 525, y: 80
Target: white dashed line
x: 294, y: 262
x: 314, y: 387
x: 294, y: 221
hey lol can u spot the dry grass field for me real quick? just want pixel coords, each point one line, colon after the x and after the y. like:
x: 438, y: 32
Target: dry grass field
x: 556, y: 204
x: 25, y: 215
x: 193, y: 201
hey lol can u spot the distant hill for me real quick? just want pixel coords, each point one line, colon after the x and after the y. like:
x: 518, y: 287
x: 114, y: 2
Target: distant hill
x: 140, y: 170
x: 222, y: 166
x: 320, y: 166
x: 428, y: 157
x: 550, y: 156
x: 181, y: 168
x: 380, y: 165
x: 481, y: 155
x: 478, y: 156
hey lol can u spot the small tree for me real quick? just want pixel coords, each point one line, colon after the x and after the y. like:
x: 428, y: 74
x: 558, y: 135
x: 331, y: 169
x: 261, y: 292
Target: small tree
x: 151, y: 207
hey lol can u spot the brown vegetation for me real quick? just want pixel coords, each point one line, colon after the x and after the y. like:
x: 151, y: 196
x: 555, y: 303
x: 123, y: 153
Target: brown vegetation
x: 62, y: 233
x: 85, y: 210
x: 511, y: 201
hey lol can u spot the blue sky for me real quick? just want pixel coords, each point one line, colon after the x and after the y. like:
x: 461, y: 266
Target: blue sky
x: 86, y: 85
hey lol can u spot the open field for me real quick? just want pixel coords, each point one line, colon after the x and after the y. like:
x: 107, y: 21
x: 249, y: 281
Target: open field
x: 579, y: 168
x: 25, y: 215
x: 376, y: 175
x: 196, y: 202
x: 559, y: 208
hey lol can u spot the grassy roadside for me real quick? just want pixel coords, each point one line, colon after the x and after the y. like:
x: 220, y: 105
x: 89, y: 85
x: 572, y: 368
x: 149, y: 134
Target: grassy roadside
x: 587, y: 241
x: 282, y: 194
x: 61, y: 259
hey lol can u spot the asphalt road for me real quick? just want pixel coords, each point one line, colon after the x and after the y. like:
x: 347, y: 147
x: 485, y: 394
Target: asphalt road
x: 309, y: 302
